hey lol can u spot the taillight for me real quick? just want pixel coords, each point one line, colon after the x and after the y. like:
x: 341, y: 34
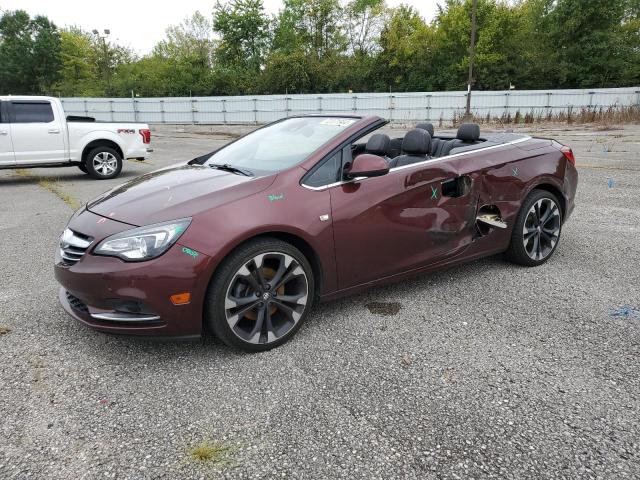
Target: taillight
x: 146, y: 135
x: 568, y: 153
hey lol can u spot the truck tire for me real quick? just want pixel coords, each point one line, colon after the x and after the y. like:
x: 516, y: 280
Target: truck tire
x: 83, y: 167
x: 103, y: 163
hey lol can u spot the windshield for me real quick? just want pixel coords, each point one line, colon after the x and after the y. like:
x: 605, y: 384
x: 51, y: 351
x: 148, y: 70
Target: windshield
x: 281, y: 145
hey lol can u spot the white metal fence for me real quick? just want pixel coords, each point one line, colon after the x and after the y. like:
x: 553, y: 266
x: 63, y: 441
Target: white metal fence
x: 398, y: 107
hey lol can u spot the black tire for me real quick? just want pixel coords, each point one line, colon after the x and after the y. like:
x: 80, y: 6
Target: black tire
x: 537, y: 229
x: 250, y: 330
x: 83, y: 167
x: 103, y: 163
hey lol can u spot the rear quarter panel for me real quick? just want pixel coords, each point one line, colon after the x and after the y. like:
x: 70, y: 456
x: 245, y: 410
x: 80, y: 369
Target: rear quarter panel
x: 125, y: 135
x: 508, y: 175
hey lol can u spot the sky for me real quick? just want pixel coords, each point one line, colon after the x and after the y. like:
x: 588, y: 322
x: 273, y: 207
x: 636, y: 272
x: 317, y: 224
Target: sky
x: 140, y: 25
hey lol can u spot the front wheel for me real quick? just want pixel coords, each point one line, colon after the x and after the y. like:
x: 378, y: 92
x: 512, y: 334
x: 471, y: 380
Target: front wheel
x: 537, y: 229
x: 260, y: 295
x: 103, y: 163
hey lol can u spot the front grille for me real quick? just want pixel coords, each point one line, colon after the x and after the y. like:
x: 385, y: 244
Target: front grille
x: 73, y: 246
x: 76, y: 303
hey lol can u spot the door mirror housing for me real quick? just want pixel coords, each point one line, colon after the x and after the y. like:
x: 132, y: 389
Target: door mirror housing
x: 367, y: 165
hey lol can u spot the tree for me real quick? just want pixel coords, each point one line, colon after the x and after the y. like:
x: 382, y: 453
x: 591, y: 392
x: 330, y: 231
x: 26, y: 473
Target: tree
x: 79, y: 74
x: 364, y: 20
x: 192, y: 39
x: 244, y: 30
x: 407, y: 45
x: 589, y: 42
x: 29, y: 53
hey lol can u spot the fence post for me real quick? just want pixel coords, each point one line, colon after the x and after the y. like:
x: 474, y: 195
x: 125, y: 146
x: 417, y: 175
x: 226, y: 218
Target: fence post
x: 391, y: 106
x: 111, y: 109
x: 193, y: 111
x: 638, y: 97
x: 355, y: 103
x: 86, y: 111
x: 591, y: 99
x: 224, y: 111
x: 319, y: 104
x: 161, y: 111
x: 286, y: 107
x: 429, y: 108
x: 255, y: 111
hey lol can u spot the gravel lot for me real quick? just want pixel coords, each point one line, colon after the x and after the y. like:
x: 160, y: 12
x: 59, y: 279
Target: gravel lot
x: 486, y: 370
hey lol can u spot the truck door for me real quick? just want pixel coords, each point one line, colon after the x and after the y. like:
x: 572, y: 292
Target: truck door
x: 6, y: 149
x: 37, y: 135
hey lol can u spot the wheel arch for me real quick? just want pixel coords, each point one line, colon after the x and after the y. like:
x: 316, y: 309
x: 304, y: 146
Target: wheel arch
x: 102, y: 142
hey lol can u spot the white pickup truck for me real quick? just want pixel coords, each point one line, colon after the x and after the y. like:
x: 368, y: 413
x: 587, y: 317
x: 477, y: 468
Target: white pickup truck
x: 34, y: 132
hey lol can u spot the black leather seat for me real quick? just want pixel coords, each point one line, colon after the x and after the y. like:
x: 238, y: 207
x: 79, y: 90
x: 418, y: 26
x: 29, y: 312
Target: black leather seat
x: 395, y: 147
x: 426, y: 126
x: 378, y: 144
x: 435, y: 142
x: 468, y: 134
x: 415, y: 145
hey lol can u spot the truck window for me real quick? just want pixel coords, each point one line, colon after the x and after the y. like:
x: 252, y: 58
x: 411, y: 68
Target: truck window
x: 32, y: 112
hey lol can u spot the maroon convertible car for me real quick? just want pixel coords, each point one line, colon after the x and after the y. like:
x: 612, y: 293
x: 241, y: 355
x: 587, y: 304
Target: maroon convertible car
x: 243, y: 240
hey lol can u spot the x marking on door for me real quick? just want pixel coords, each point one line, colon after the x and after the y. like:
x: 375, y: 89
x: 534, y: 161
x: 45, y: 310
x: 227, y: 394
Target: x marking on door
x: 514, y: 171
x: 434, y: 192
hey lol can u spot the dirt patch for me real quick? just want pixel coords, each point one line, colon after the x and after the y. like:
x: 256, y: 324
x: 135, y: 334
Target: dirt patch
x: 384, y: 308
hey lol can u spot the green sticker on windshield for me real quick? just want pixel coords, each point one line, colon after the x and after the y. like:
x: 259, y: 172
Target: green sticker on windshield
x: 273, y: 197
x: 188, y: 251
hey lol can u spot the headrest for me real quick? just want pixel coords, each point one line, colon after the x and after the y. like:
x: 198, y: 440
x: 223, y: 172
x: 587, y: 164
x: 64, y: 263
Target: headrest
x: 378, y: 144
x: 426, y: 126
x: 469, y: 132
x: 416, y: 141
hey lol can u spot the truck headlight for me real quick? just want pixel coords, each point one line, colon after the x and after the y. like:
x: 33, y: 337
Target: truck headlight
x: 143, y: 243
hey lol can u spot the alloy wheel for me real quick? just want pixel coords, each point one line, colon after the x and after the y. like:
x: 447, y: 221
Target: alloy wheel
x: 105, y: 163
x: 266, y: 297
x: 541, y: 229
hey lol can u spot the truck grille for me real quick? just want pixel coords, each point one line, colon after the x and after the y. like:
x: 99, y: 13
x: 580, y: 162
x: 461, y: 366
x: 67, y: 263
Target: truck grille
x: 73, y: 246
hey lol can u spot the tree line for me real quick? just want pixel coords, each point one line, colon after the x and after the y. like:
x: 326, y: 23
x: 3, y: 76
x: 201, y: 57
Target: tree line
x: 328, y: 46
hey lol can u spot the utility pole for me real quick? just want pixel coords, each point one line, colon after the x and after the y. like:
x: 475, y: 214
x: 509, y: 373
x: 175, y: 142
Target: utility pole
x: 472, y: 51
x: 105, y: 53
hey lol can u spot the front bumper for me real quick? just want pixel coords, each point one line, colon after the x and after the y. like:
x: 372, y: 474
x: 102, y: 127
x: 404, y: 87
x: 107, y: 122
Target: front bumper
x: 110, y: 295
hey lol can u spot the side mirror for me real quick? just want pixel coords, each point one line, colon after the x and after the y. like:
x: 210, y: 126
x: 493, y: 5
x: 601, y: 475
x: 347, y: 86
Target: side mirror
x: 367, y: 165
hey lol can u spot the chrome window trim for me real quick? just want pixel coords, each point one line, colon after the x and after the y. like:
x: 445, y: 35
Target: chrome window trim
x: 412, y: 165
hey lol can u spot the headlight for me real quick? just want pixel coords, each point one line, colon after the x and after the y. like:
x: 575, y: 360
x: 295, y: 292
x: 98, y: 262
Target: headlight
x: 143, y: 243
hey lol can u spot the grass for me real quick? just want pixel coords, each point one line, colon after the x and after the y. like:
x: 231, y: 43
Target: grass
x: 210, y: 452
x: 603, y: 117
x: 52, y: 185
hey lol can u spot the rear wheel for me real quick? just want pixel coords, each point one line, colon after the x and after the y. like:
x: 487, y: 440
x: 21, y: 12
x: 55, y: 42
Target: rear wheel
x: 537, y: 229
x: 103, y: 163
x: 260, y: 295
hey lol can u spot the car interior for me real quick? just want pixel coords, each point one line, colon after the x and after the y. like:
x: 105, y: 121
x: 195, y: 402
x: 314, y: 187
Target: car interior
x: 420, y: 144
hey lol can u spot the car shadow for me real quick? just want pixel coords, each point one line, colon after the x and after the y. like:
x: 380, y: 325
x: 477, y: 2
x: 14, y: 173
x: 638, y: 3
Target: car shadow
x: 209, y: 348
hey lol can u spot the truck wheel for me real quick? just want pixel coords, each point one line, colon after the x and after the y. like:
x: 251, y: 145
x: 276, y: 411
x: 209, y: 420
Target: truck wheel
x: 83, y: 167
x: 103, y: 163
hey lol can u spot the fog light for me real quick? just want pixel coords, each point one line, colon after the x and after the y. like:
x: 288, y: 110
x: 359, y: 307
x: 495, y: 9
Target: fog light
x: 180, y: 298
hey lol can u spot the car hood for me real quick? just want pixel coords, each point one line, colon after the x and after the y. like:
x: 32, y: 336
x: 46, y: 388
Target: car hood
x: 175, y: 192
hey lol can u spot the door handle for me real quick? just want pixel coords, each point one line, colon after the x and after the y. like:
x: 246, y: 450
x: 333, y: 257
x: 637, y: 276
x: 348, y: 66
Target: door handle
x: 3, y: 132
x: 54, y: 130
